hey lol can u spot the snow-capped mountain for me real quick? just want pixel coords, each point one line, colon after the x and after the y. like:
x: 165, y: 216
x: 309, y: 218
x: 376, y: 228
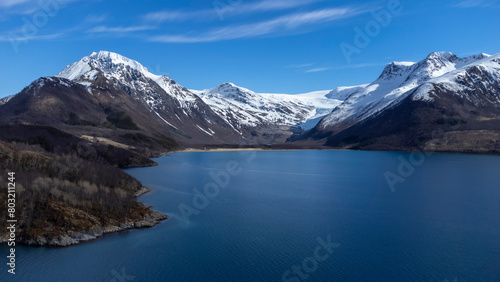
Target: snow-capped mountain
x: 243, y: 108
x: 133, y: 78
x: 247, y: 113
x: 107, y: 90
x: 396, y: 82
x: 442, y: 103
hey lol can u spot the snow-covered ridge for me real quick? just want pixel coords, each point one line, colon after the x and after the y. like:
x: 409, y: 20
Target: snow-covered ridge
x: 129, y: 75
x: 238, y: 106
x: 396, y: 82
x: 465, y: 77
x: 242, y: 107
x: 6, y: 99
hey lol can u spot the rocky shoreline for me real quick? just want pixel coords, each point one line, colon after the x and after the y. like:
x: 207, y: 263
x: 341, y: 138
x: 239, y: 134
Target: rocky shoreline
x: 73, y: 237
x: 77, y: 237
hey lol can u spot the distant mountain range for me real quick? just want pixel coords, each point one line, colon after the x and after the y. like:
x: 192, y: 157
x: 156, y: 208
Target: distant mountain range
x: 106, y: 94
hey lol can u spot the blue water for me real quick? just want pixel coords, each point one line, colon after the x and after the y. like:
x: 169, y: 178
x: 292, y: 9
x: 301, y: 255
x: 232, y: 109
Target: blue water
x: 441, y: 224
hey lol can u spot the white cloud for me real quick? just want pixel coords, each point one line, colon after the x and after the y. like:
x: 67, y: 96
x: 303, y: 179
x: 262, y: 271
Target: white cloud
x: 11, y: 38
x: 10, y: 3
x: 120, y: 29
x: 25, y: 7
x: 273, y: 5
x: 223, y: 8
x: 358, y: 66
x: 316, y: 70
x: 478, y: 4
x: 276, y: 26
x: 179, y: 16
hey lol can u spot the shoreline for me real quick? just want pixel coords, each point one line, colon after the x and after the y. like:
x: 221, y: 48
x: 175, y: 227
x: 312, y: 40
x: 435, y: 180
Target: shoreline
x: 142, y: 191
x: 189, y: 150
x: 73, y: 238
x: 194, y: 150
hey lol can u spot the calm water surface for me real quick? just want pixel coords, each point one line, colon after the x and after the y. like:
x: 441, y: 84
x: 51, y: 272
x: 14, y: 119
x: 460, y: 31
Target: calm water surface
x: 441, y: 224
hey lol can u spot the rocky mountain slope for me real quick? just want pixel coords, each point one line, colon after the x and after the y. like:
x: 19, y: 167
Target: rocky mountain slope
x: 442, y: 103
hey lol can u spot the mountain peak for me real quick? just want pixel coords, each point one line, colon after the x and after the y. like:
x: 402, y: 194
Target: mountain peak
x: 395, y: 69
x: 104, y: 54
x: 442, y: 55
x: 229, y: 88
x: 116, y: 59
x: 228, y: 84
x: 105, y: 61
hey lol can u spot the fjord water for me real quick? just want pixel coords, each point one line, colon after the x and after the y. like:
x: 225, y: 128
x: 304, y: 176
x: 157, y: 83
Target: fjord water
x: 441, y: 224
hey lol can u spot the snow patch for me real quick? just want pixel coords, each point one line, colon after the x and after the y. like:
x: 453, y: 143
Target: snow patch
x: 209, y: 133
x: 165, y: 120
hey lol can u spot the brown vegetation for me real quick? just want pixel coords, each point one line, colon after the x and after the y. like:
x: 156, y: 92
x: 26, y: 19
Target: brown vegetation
x: 78, y: 190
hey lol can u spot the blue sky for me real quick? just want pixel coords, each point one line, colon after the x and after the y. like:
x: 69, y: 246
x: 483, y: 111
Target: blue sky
x: 280, y: 46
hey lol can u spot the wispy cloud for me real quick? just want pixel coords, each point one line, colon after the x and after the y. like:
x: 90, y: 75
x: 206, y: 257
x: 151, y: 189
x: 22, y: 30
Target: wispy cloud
x: 316, y: 70
x: 11, y: 3
x: 278, y: 25
x: 237, y: 8
x: 477, y: 4
x: 179, y: 16
x: 27, y: 7
x: 274, y: 5
x: 358, y: 66
x: 120, y: 29
x: 12, y: 38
